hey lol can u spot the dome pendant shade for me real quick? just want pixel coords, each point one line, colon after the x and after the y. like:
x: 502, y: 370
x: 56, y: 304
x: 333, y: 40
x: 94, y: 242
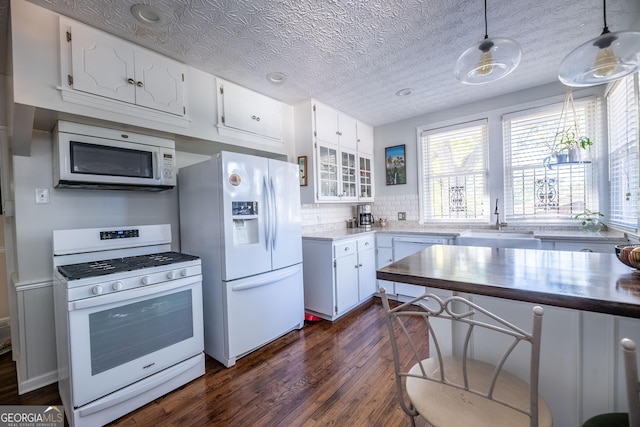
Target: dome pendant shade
x: 488, y: 61
x: 603, y: 59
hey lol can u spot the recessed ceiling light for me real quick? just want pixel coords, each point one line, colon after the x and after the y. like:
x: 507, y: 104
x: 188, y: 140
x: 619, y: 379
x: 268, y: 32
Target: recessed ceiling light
x: 276, y: 77
x: 404, y: 92
x: 147, y: 14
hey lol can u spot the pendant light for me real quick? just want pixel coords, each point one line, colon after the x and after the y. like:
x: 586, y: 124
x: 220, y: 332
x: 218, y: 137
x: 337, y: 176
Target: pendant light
x: 603, y: 59
x: 488, y: 60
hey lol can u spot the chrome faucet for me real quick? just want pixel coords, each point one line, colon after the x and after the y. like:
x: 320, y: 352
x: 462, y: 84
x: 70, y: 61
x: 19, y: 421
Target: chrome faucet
x: 497, y: 214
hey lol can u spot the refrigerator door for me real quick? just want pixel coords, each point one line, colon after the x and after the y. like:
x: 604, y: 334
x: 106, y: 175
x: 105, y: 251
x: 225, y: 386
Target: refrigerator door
x: 260, y: 309
x: 245, y: 212
x: 286, y: 236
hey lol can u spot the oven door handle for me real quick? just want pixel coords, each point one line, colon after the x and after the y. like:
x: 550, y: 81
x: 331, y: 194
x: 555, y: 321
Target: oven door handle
x: 133, y: 293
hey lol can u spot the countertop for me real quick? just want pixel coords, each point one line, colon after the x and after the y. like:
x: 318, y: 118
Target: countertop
x: 567, y: 235
x: 586, y: 281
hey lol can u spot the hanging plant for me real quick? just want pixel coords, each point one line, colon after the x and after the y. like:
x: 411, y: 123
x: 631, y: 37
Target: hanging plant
x: 568, y: 139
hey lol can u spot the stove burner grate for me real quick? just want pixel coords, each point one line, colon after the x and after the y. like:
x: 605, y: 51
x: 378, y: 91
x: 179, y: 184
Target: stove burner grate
x: 118, y: 265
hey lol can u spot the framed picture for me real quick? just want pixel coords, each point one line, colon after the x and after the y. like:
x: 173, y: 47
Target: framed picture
x: 302, y: 166
x: 395, y: 165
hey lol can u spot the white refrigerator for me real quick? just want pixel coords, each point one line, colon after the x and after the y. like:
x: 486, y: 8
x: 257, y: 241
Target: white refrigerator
x: 241, y: 215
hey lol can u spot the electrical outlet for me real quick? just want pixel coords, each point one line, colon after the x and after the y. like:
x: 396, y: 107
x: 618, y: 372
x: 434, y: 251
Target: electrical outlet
x: 42, y: 195
x: 402, y: 216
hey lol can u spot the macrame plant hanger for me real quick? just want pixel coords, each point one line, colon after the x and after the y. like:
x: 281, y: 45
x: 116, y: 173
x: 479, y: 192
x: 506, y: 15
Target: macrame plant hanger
x: 564, y: 123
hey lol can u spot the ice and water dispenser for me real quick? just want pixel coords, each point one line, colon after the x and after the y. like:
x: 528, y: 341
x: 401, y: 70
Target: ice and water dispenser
x: 245, y: 223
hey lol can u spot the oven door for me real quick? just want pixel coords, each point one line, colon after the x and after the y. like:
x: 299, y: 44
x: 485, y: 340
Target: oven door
x: 118, y: 339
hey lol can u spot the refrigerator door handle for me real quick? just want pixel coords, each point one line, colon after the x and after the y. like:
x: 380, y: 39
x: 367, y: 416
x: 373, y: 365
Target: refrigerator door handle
x: 267, y: 226
x: 250, y: 283
x: 274, y: 237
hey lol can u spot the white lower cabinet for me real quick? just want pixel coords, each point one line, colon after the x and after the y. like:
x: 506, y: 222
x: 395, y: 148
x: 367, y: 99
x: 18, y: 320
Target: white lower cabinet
x: 338, y: 274
x: 366, y: 268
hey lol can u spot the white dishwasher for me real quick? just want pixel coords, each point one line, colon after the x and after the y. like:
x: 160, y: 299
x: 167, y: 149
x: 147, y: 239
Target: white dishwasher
x: 409, y: 245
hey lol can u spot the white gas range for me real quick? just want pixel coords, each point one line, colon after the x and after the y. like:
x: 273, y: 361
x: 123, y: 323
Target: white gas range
x: 128, y: 319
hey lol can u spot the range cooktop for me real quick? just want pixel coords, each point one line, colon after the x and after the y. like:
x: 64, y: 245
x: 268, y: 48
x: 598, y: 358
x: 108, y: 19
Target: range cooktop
x: 118, y: 265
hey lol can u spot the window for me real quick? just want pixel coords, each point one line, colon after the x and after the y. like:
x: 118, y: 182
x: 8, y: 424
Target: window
x: 537, y: 185
x: 454, y: 173
x: 622, y: 107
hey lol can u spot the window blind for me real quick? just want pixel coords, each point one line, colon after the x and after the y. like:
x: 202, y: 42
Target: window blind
x: 536, y: 186
x: 622, y: 108
x: 454, y: 173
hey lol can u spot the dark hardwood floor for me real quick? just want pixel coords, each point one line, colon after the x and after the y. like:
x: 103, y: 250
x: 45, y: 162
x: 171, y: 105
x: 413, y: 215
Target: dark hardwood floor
x: 326, y: 374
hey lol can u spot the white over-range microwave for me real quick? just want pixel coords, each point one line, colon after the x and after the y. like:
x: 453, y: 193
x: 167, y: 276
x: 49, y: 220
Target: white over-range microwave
x: 99, y: 158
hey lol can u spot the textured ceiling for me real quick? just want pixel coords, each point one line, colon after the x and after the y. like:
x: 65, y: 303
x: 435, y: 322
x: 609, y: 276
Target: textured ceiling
x: 356, y: 54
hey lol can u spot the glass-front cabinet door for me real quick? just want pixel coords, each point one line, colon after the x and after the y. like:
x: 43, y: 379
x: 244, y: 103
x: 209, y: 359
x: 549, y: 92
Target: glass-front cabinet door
x: 365, y: 176
x: 343, y: 175
x: 327, y: 172
x: 349, y: 175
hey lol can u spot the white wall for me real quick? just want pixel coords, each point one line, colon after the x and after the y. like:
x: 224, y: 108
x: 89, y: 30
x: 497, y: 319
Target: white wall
x: 73, y: 208
x: 406, y: 132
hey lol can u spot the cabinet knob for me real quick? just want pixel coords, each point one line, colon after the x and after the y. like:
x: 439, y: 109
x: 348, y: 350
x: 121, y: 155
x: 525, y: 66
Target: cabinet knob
x: 131, y: 81
x: 256, y: 118
x: 366, y: 243
x: 346, y: 249
x: 139, y: 84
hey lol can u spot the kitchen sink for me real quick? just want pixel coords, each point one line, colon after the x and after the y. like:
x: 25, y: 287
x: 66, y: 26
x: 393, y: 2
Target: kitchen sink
x: 498, y: 234
x: 498, y: 239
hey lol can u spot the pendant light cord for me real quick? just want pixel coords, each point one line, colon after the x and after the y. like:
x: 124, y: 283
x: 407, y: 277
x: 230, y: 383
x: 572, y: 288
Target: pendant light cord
x: 486, y: 31
x: 605, y: 30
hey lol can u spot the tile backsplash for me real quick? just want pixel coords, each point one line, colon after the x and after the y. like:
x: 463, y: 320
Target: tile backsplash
x: 330, y: 216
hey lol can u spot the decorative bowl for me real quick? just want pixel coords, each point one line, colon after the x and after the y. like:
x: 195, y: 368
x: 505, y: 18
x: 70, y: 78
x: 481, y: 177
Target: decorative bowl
x: 629, y: 255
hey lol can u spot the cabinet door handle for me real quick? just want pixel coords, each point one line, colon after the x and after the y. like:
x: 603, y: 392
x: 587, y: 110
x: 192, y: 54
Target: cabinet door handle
x: 366, y: 243
x: 338, y: 133
x: 139, y: 84
x: 131, y: 81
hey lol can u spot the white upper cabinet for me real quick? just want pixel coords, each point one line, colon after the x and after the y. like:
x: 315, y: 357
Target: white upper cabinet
x: 365, y: 178
x: 365, y: 138
x: 247, y: 111
x: 334, y: 127
x: 107, y: 66
x: 340, y: 154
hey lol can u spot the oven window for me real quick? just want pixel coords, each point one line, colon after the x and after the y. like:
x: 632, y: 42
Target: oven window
x: 128, y: 332
x: 96, y: 159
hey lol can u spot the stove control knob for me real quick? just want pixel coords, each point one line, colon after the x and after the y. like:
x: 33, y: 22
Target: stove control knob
x: 183, y: 272
x: 146, y: 280
x: 116, y: 286
x: 97, y: 290
x: 171, y: 275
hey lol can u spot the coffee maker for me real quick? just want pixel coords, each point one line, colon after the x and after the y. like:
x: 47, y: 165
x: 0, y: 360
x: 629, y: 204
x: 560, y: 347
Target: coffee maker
x: 365, y: 218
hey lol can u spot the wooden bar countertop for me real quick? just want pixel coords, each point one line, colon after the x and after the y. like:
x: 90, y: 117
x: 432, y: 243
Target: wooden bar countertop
x: 577, y: 280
